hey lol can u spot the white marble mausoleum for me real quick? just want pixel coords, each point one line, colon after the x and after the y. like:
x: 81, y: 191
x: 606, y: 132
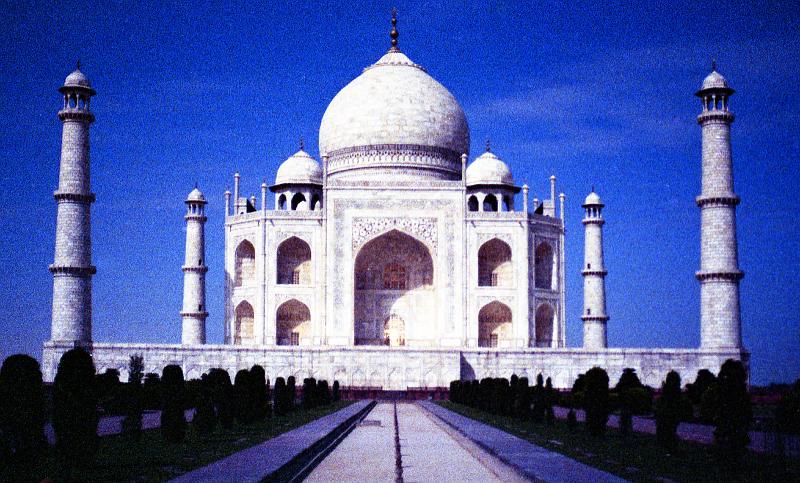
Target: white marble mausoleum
x: 396, y: 260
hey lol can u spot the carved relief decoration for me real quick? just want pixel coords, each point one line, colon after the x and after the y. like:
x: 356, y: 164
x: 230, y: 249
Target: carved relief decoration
x: 365, y: 229
x: 484, y: 237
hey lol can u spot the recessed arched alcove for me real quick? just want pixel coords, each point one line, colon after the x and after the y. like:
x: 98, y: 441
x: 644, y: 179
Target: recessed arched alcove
x: 394, y: 280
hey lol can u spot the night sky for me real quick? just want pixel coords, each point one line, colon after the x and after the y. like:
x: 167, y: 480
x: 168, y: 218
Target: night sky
x: 597, y: 94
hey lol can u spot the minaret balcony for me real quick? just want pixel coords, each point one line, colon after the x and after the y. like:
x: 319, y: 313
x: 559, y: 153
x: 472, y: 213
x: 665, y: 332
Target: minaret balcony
x: 729, y: 199
x: 715, y: 116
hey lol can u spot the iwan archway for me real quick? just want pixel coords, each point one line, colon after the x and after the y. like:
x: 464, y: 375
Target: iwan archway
x: 394, y: 285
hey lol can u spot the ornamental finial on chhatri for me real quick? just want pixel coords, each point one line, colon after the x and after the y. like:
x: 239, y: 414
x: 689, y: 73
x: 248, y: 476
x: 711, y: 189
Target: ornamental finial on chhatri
x: 302, y: 143
x: 488, y: 146
x: 713, y: 64
x: 394, y: 33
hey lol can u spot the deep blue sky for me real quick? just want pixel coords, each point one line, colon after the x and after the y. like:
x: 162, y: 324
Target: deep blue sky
x: 593, y: 93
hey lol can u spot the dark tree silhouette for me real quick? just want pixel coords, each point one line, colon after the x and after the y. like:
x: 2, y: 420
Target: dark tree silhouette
x: 704, y: 380
x: 205, y: 420
x: 75, y: 411
x: 259, y: 393
x: 242, y: 390
x: 132, y: 424
x: 222, y: 396
x: 596, y: 401
x: 335, y: 394
x: 281, y: 398
x: 549, y: 401
x: 22, y: 415
x: 668, y: 411
x: 173, y: 404
x: 734, y: 415
x: 291, y: 393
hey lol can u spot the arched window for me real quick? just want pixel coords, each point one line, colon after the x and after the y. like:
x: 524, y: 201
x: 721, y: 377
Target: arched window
x: 490, y: 203
x: 494, y: 264
x: 394, y: 276
x: 243, y: 325
x: 292, y: 323
x: 282, y: 202
x: 472, y: 203
x: 508, y: 203
x: 543, y: 262
x: 294, y: 262
x: 544, y: 325
x: 245, y: 264
x: 316, y: 204
x: 494, y: 325
x: 298, y: 202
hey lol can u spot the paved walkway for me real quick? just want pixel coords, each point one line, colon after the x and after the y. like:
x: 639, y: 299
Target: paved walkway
x: 760, y: 441
x: 111, y: 425
x: 533, y: 461
x: 262, y: 460
x: 428, y: 451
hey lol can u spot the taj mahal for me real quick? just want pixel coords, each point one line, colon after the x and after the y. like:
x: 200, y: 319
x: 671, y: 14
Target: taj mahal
x: 397, y: 260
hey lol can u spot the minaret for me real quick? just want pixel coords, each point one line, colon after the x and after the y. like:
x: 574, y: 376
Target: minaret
x: 594, y: 274
x: 194, y: 271
x: 72, y: 268
x: 719, y: 275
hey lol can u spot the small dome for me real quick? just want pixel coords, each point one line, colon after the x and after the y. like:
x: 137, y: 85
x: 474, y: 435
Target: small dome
x: 489, y: 169
x: 299, y: 168
x: 77, y: 79
x: 592, y: 199
x: 196, y: 195
x: 714, y: 80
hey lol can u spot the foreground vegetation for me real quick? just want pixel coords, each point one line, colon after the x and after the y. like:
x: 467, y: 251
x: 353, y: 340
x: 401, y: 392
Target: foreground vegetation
x: 152, y: 458
x: 228, y: 417
x: 637, y: 456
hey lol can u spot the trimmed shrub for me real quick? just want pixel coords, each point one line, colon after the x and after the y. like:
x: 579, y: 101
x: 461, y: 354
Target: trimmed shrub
x: 22, y: 414
x: 323, y: 393
x: 524, y: 391
x: 734, y: 415
x: 291, y: 393
x: 787, y: 416
x: 309, y: 395
x: 704, y: 380
x: 205, y: 420
x: 280, y: 396
x: 596, y: 401
x: 668, y: 411
x: 539, y: 408
x: 75, y: 411
x: 336, y: 396
x: 173, y: 402
x: 259, y: 393
x: 242, y: 390
x: 549, y: 401
x: 132, y: 424
x: 222, y: 396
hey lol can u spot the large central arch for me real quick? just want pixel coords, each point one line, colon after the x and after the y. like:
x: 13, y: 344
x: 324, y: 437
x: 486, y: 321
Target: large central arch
x: 394, y: 279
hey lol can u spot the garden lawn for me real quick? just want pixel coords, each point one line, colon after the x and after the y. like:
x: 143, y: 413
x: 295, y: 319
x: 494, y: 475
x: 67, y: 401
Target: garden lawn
x: 639, y: 457
x: 153, y: 459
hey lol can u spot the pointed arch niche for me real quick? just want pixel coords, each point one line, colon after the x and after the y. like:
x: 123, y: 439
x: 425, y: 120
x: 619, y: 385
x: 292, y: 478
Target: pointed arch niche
x: 394, y: 280
x: 494, y: 325
x: 292, y: 323
x: 294, y: 262
x: 495, y: 268
x: 243, y: 324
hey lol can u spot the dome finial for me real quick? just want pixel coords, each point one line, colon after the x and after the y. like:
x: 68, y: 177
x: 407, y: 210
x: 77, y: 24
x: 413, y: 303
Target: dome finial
x: 394, y: 33
x: 713, y: 64
x: 78, y: 65
x: 488, y: 146
x: 592, y: 188
x: 302, y: 144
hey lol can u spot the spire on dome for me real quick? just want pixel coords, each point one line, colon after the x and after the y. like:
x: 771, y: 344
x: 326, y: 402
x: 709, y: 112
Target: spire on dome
x: 394, y: 33
x: 488, y: 146
x: 713, y: 64
x: 302, y: 144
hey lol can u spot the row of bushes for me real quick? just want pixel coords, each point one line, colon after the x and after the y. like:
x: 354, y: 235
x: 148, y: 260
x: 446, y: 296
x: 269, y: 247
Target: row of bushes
x: 726, y: 394
x: 77, y: 392
x: 506, y: 397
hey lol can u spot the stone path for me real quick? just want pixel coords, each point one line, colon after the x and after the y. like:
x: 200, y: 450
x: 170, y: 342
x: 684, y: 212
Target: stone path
x: 111, y: 425
x: 760, y: 441
x: 428, y: 451
x: 263, y: 460
x: 533, y: 461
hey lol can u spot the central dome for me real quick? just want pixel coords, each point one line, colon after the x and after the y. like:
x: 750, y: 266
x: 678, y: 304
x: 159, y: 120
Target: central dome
x: 394, y: 120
